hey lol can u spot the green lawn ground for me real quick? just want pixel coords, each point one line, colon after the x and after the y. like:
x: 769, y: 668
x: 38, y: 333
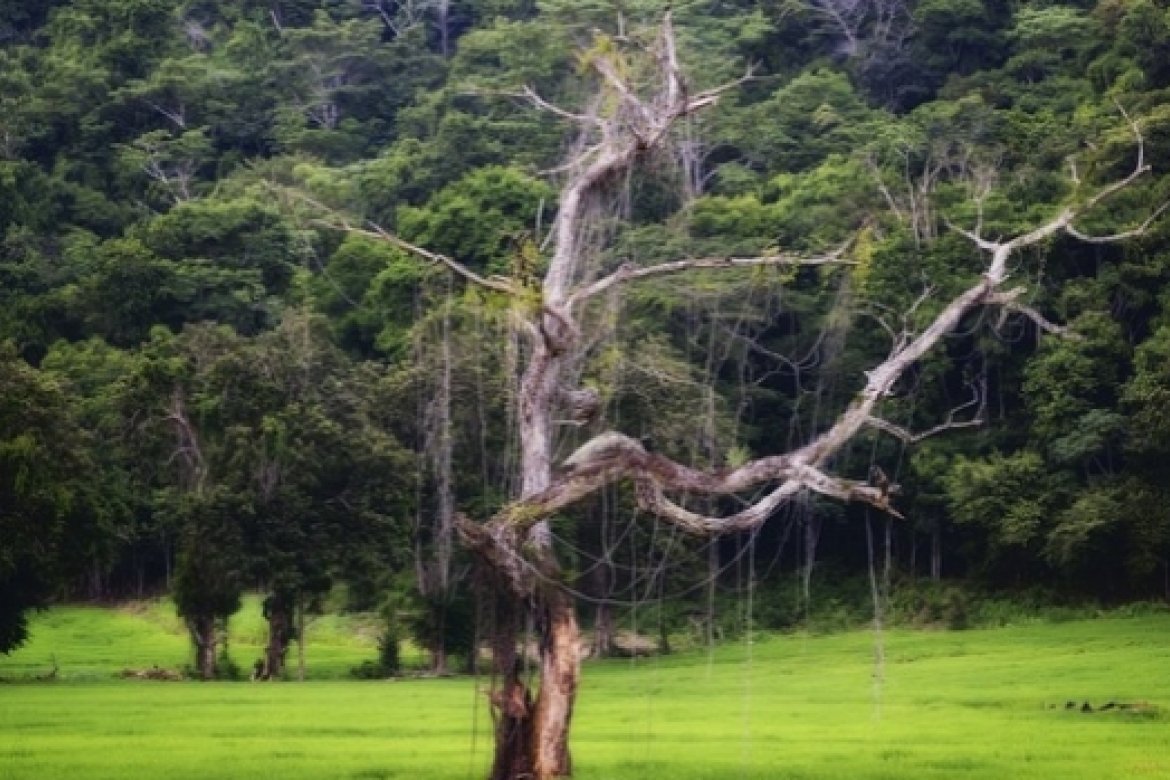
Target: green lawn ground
x: 971, y: 704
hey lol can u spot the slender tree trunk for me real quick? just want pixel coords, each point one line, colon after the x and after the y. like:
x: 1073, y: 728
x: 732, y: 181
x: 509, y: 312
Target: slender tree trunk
x: 812, y: 533
x: 439, y: 651
x: 936, y: 553
x: 433, y: 564
x: 713, y: 564
x: 913, y: 554
x: 301, y: 637
x: 603, y: 631
x: 444, y: 525
x: 594, y: 537
x: 1166, y: 578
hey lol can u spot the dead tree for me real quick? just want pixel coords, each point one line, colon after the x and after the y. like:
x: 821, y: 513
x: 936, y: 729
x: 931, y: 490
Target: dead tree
x: 516, y: 544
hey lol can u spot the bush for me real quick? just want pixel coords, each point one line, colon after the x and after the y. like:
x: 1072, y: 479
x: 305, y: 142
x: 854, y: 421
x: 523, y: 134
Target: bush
x: 225, y: 667
x: 389, y: 662
x: 368, y: 670
x: 933, y: 604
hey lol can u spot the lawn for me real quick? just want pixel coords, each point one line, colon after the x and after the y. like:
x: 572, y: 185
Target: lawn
x: 970, y: 704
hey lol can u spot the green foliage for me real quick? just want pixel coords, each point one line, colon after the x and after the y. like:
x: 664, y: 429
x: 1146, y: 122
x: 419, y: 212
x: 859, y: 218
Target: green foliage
x: 480, y: 219
x: 53, y: 514
x: 1071, y: 385
x: 814, y: 115
x: 444, y: 620
x: 389, y: 661
x: 144, y: 262
x: 209, y: 577
x: 1013, y: 497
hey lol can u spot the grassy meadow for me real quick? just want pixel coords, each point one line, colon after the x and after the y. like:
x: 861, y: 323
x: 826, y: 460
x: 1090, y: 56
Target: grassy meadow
x: 985, y: 703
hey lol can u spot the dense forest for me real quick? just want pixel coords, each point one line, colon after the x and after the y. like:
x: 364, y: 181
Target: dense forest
x: 212, y: 382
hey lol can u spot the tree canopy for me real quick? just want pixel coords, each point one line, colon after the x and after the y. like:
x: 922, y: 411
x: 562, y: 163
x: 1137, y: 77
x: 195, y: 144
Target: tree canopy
x: 206, y: 385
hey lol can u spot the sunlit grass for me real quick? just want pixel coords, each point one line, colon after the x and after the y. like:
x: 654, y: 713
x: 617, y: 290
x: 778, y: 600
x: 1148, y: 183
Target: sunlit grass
x: 95, y: 643
x: 974, y: 704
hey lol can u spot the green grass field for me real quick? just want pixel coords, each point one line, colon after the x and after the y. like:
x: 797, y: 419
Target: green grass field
x: 972, y: 704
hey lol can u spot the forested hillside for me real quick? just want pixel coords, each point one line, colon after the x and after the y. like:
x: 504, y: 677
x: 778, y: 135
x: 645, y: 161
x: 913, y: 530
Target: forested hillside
x: 217, y: 374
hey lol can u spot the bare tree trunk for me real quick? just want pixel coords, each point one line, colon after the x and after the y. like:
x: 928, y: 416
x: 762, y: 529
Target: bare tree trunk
x: 812, y: 534
x: 559, y: 673
x: 511, y: 700
x: 913, y: 554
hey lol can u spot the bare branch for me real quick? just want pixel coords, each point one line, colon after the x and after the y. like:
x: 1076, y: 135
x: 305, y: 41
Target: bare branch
x: 531, y: 95
x: 628, y: 272
x: 1008, y: 299
x: 904, y: 434
x: 605, y: 68
x: 1140, y: 167
x: 898, y: 432
x: 972, y: 236
x: 177, y: 115
x: 187, y: 442
x: 337, y: 220
x: 1064, y: 220
x: 1122, y: 236
x: 709, y: 97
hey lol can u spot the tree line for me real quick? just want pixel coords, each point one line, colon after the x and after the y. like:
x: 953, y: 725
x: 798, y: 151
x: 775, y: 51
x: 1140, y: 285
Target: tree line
x: 211, y: 385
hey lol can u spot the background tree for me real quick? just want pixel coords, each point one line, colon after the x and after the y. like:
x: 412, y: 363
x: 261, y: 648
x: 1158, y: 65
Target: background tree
x: 53, y: 512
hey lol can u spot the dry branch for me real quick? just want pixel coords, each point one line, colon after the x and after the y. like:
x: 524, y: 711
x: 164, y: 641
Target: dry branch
x: 335, y: 219
x: 630, y: 273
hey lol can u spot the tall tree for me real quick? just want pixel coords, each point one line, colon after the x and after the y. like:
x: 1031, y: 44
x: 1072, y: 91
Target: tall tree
x: 50, y: 493
x: 640, y: 102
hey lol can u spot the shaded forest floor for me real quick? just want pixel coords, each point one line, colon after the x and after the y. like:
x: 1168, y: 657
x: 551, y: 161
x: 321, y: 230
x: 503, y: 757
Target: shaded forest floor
x: 989, y: 703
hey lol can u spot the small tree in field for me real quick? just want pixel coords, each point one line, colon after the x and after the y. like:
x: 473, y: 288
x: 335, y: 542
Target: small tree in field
x: 632, y: 119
